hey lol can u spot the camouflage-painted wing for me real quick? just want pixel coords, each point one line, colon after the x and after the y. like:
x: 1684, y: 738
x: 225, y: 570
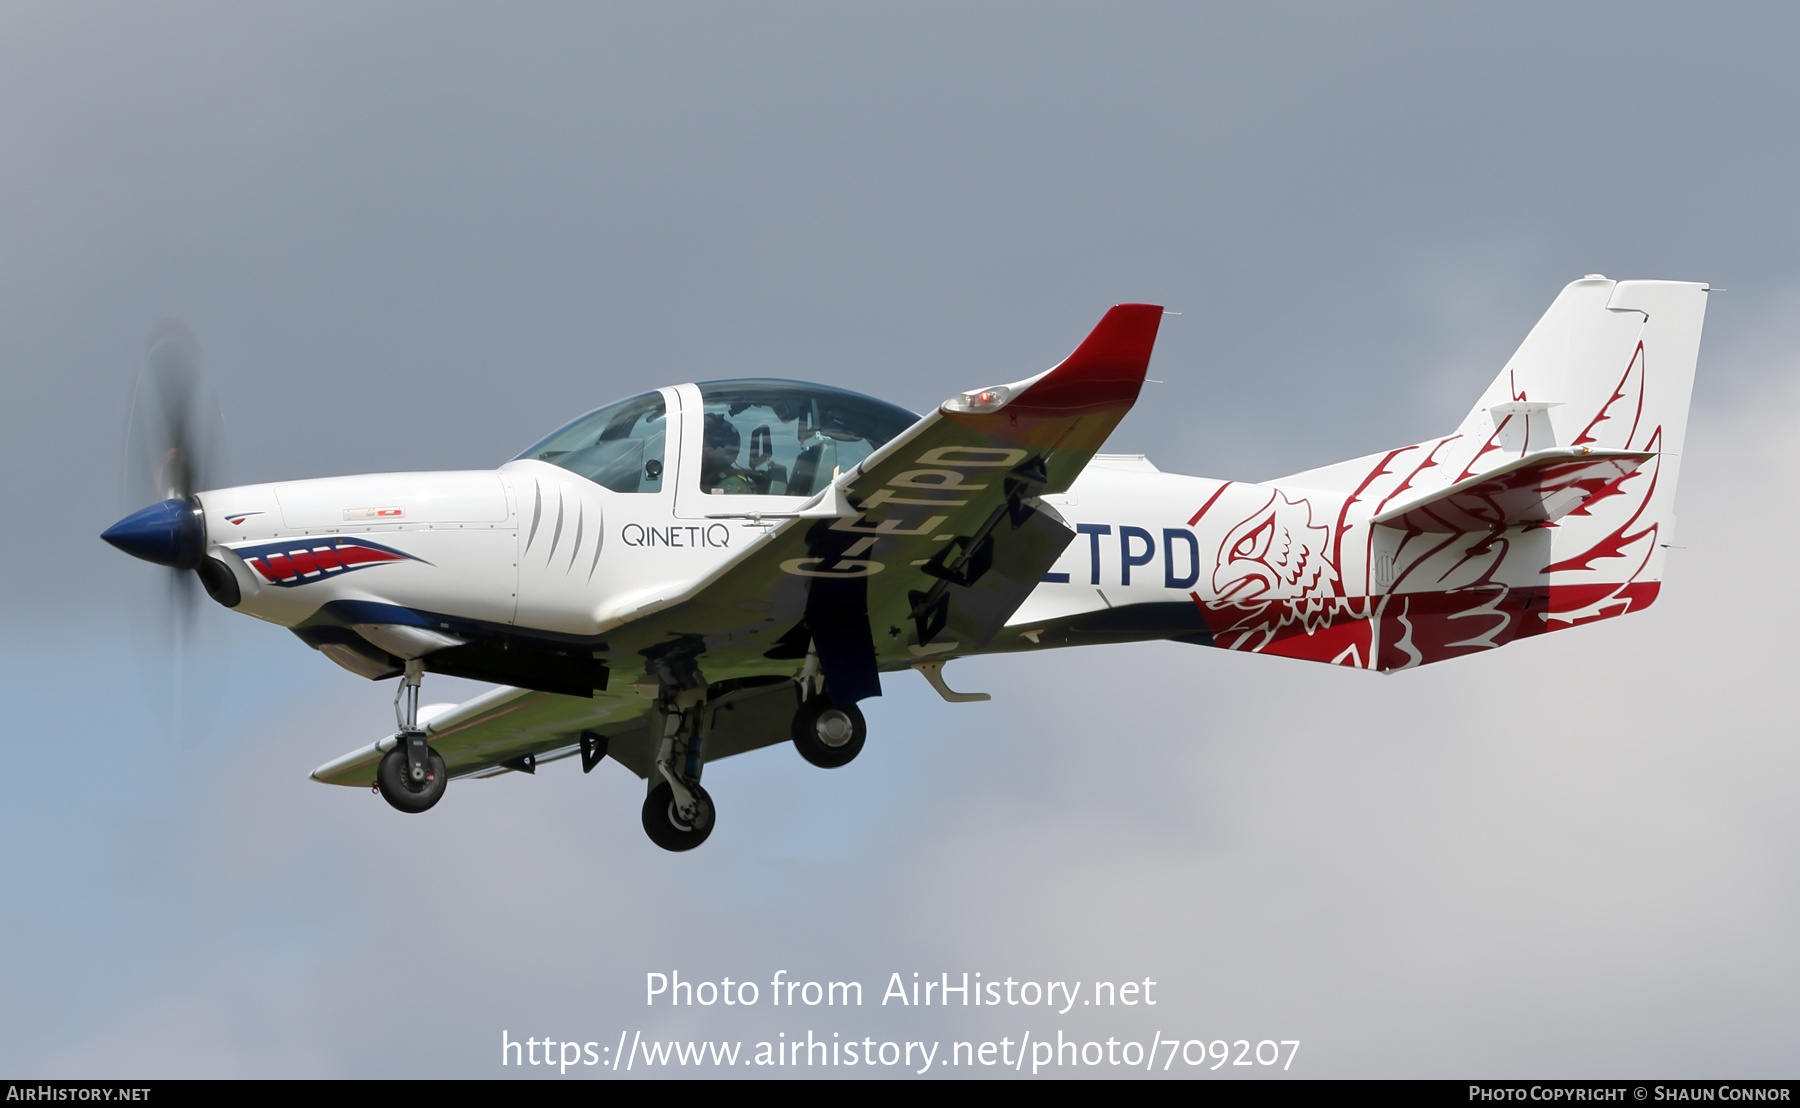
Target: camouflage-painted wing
x: 924, y: 549
x: 506, y: 729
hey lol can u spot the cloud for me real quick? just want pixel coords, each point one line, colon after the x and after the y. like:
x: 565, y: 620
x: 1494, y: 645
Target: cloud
x: 1574, y: 856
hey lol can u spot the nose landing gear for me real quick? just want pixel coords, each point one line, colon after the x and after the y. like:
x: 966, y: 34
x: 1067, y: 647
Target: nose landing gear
x: 411, y: 776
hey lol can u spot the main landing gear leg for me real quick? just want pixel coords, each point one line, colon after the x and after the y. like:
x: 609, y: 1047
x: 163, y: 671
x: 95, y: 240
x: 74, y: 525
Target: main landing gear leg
x: 411, y: 776
x: 825, y: 735
x: 678, y: 813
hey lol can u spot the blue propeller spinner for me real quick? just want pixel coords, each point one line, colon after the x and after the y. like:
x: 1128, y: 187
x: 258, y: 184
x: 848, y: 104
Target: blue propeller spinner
x: 170, y: 534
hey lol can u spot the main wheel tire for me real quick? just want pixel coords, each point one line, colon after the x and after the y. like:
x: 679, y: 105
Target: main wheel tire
x: 826, y: 735
x: 396, y: 789
x: 664, y: 825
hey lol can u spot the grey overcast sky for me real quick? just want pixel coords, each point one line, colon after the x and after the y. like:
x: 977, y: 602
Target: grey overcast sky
x: 421, y: 235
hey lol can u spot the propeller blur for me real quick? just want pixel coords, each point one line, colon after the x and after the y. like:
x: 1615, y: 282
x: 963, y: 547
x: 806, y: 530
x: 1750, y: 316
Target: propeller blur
x: 174, y: 444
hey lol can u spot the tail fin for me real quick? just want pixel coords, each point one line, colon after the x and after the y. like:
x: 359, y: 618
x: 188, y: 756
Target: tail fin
x: 1608, y: 369
x: 1550, y: 506
x: 1609, y: 365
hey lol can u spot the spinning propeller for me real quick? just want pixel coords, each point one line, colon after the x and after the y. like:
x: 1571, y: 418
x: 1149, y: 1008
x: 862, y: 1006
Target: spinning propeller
x: 174, y: 447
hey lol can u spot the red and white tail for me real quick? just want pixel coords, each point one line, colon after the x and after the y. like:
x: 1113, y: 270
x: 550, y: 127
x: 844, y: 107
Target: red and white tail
x: 1551, y: 505
x: 1607, y: 373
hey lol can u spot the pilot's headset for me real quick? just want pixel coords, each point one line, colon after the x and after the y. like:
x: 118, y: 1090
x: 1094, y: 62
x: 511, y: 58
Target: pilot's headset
x: 720, y: 432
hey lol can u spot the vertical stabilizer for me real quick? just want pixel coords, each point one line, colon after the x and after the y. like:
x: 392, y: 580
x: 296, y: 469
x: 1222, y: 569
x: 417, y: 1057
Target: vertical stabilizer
x: 1609, y: 363
x: 1610, y: 367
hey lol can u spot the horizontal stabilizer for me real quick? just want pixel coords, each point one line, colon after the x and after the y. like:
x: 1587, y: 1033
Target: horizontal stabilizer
x: 1541, y: 487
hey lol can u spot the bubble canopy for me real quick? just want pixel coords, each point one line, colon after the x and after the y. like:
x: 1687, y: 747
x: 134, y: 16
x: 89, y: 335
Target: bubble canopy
x: 787, y: 438
x: 759, y: 436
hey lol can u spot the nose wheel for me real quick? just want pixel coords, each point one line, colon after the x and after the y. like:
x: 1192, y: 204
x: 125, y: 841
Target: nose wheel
x: 412, y: 776
x: 408, y: 784
x: 826, y: 735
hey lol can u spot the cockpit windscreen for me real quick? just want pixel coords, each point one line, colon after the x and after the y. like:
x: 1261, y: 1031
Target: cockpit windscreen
x: 619, y: 447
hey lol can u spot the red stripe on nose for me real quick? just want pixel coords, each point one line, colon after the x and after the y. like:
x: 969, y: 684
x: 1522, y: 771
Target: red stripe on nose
x: 304, y: 562
x: 261, y: 567
x: 362, y: 555
x: 283, y: 568
x: 327, y: 558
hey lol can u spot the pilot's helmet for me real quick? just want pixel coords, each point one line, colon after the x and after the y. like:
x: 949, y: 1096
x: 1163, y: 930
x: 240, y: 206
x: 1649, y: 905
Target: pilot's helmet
x: 720, y: 432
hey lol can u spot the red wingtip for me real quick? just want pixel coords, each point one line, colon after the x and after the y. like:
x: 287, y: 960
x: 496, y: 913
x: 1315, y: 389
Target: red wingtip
x: 1077, y: 404
x: 1107, y: 369
x: 1121, y: 342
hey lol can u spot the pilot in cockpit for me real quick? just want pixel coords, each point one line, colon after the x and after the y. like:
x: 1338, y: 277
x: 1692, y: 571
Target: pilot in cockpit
x: 719, y: 472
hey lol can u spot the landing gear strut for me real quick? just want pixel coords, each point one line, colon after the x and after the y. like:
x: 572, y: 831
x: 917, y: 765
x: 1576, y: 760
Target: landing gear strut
x: 678, y: 813
x: 411, y: 776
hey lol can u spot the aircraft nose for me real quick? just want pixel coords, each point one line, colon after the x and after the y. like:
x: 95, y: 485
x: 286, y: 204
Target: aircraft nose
x: 170, y: 534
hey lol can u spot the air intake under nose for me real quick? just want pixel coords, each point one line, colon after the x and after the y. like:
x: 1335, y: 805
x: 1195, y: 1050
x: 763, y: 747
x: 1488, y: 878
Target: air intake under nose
x: 171, y: 533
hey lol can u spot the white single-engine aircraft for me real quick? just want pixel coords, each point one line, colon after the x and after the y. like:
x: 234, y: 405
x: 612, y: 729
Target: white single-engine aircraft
x: 711, y: 568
